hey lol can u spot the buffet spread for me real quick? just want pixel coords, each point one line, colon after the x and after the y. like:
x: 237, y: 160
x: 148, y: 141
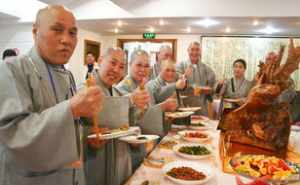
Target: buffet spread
x: 251, y: 140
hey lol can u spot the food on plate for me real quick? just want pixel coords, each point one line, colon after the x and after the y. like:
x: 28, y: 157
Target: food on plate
x: 146, y: 182
x: 186, y: 173
x: 124, y: 127
x: 262, y: 121
x: 178, y: 114
x: 255, y: 182
x: 270, y: 167
x: 198, y: 124
x: 141, y: 138
x: 194, y: 150
x: 189, y: 109
x: 196, y: 135
x: 168, y: 144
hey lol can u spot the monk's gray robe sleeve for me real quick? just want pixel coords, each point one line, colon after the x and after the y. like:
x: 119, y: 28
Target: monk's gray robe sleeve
x: 160, y: 93
x: 36, y: 141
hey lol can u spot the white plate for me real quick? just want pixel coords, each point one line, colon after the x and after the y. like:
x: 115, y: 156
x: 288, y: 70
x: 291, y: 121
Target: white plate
x: 231, y: 100
x: 189, y: 109
x: 135, y: 140
x: 193, y: 157
x: 295, y: 128
x: 130, y: 131
x: 204, y: 168
x: 193, y: 125
x: 179, y: 126
x: 178, y: 114
x: 194, y: 140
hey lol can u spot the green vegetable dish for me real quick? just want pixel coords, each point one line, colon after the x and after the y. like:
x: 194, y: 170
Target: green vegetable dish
x: 194, y: 150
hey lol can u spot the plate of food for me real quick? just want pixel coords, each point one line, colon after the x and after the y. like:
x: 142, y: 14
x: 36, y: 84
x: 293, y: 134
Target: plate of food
x: 195, y: 136
x: 271, y: 168
x: 189, y: 109
x: 295, y: 128
x: 168, y: 144
x: 178, y: 114
x: 139, y: 139
x: 193, y: 151
x: 188, y: 173
x: 116, y: 133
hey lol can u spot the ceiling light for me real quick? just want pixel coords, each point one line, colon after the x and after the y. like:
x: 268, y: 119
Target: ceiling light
x: 116, y: 30
x: 228, y: 30
x: 151, y: 29
x: 208, y: 22
x: 269, y: 30
x: 188, y: 30
x: 119, y: 23
x: 161, y: 22
x: 255, y: 23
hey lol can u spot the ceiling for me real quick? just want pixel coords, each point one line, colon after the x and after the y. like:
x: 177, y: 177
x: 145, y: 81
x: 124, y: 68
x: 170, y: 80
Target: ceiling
x: 227, y: 25
x: 234, y: 17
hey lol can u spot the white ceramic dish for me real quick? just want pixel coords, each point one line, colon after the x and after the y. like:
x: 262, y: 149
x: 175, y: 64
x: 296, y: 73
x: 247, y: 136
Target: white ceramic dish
x: 136, y: 140
x: 117, y: 134
x: 204, y: 168
x: 194, y: 139
x: 188, y: 156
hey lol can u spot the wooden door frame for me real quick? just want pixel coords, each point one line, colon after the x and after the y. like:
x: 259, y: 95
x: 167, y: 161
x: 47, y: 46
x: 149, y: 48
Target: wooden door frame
x: 87, y: 41
x: 120, y: 43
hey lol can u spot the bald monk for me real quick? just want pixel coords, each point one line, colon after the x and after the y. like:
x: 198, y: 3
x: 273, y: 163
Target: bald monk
x: 165, y: 85
x: 198, y: 74
x: 165, y: 52
x: 39, y: 107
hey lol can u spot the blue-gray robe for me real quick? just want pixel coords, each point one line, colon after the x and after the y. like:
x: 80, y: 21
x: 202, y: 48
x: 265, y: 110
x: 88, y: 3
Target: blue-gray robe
x: 38, y: 134
x: 160, y: 89
x: 239, y: 89
x: 202, y: 75
x: 111, y: 164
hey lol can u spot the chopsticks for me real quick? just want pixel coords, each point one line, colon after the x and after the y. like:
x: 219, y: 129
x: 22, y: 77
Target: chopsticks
x: 95, y: 120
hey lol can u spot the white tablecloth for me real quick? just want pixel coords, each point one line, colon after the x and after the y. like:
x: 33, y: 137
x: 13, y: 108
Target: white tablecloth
x: 155, y: 175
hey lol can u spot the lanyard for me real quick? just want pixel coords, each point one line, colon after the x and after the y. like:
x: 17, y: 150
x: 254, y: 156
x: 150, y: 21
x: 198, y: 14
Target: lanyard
x: 71, y: 79
x: 52, y: 83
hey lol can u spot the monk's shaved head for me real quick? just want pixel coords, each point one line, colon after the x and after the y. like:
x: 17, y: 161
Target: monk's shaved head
x: 47, y: 13
x: 55, y: 34
x: 194, y: 51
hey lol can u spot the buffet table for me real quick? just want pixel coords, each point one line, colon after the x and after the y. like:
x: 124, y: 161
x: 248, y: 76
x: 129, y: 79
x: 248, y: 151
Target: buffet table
x: 155, y: 175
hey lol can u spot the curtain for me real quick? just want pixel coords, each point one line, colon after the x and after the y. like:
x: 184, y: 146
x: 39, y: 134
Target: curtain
x: 220, y: 53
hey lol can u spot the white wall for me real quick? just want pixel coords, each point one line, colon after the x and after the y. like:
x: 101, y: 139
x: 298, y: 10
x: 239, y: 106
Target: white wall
x: 16, y: 36
x: 20, y: 36
x: 76, y: 63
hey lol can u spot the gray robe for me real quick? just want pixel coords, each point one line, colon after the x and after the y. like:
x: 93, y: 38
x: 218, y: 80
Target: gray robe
x: 152, y: 120
x: 202, y: 75
x: 155, y: 70
x: 160, y: 89
x: 111, y: 164
x: 240, y: 88
x: 38, y: 134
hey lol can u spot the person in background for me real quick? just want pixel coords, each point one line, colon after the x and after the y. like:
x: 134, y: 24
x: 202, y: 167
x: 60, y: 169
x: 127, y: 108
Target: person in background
x: 151, y: 121
x: 8, y: 54
x: 90, y: 63
x: 200, y: 77
x: 40, y: 109
x: 238, y: 86
x: 165, y: 85
x: 165, y: 52
x: 139, y: 71
x: 112, y: 164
